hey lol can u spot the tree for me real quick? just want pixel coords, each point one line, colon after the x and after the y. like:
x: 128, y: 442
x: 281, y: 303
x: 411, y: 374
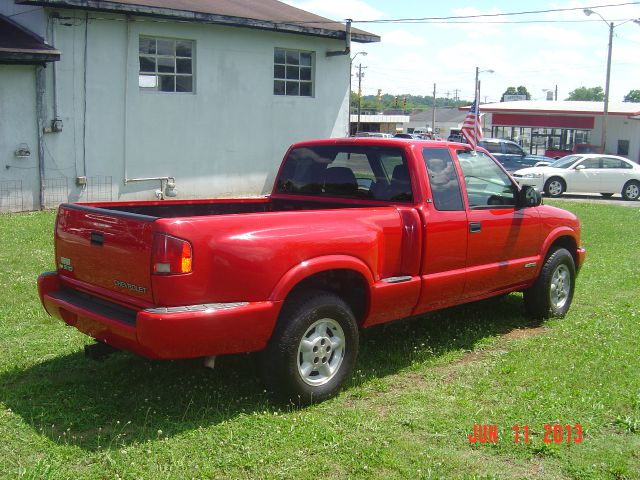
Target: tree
x: 521, y: 90
x: 633, y: 96
x: 593, y: 94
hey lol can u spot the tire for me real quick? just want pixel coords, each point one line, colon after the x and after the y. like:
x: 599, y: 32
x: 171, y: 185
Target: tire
x: 552, y: 292
x: 554, y: 187
x: 313, y: 349
x: 607, y: 195
x: 631, y: 190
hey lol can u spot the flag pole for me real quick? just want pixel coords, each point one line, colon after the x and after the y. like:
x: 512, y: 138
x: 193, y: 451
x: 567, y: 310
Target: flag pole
x: 476, y: 99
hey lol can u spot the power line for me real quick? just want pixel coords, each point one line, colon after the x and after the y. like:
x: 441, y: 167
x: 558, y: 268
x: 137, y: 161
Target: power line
x: 485, y: 15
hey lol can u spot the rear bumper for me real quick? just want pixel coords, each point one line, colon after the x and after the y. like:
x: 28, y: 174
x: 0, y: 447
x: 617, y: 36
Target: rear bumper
x: 163, y: 333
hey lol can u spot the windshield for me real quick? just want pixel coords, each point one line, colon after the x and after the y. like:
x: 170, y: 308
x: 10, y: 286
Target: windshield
x: 565, y: 162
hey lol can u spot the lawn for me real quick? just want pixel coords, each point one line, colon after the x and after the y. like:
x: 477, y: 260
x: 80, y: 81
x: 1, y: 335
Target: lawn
x: 419, y: 388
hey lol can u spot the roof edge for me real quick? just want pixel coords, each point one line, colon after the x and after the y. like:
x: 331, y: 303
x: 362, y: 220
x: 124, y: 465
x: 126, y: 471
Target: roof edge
x: 199, y: 17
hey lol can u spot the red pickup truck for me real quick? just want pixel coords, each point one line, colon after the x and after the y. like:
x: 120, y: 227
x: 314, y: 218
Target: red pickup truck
x: 356, y: 232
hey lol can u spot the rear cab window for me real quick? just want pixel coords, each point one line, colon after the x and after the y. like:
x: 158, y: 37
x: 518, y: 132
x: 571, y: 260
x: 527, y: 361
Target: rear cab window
x: 347, y: 171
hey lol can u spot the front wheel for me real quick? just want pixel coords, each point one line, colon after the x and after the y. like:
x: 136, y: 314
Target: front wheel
x: 554, y: 187
x: 313, y: 349
x: 552, y: 293
x: 631, y: 190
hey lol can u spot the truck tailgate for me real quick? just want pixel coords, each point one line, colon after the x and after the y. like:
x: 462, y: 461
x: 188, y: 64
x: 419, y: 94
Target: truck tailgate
x: 105, y: 248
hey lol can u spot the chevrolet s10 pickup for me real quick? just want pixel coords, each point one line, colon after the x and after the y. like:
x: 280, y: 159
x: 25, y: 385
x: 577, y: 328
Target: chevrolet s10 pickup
x: 356, y: 232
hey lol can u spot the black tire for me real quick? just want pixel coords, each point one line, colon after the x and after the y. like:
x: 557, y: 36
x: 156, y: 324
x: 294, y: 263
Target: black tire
x: 542, y: 300
x: 282, y: 363
x: 554, y: 187
x: 631, y: 190
x: 607, y: 195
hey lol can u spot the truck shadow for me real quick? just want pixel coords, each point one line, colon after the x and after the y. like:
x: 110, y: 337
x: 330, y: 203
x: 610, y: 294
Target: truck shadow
x: 125, y: 399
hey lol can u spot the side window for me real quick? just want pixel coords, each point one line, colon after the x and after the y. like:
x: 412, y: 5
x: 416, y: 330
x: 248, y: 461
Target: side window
x: 513, y: 149
x: 443, y: 179
x: 292, y: 73
x: 614, y: 163
x: 491, y: 147
x: 166, y: 65
x: 486, y: 183
x: 590, y: 163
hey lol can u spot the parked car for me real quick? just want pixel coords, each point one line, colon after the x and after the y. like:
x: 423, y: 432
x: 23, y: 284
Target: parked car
x: 510, y: 154
x: 410, y: 136
x: 356, y: 232
x: 577, y: 148
x: 589, y: 173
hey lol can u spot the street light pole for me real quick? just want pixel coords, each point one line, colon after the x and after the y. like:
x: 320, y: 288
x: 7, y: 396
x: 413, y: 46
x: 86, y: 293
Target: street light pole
x: 359, y: 96
x: 606, y: 90
x: 364, y: 54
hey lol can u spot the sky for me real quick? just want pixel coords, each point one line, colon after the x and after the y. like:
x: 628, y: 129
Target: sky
x: 569, y: 51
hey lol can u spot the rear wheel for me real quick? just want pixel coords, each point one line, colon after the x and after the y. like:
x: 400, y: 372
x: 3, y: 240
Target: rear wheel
x: 554, y: 187
x: 313, y: 349
x: 552, y: 293
x: 631, y: 190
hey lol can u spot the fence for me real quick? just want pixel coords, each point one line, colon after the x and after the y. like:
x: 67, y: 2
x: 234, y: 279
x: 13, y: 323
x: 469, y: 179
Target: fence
x: 14, y: 197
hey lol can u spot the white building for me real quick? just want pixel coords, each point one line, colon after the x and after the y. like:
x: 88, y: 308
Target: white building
x: 540, y: 125
x: 143, y: 97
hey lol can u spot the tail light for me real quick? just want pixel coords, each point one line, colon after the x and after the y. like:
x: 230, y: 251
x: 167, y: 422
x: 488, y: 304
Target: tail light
x: 171, y: 255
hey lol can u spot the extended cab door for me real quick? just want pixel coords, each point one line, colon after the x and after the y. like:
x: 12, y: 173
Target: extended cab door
x: 445, y: 247
x: 503, y: 244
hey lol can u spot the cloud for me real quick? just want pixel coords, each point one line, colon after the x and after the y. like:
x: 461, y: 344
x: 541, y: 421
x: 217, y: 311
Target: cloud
x: 338, y: 9
x: 402, y: 38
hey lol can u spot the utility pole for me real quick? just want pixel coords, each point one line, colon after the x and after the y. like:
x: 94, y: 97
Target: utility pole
x: 556, y: 93
x: 433, y: 118
x: 455, y: 97
x: 360, y: 75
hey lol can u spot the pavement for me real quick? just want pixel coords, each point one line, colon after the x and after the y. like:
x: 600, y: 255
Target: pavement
x: 591, y: 198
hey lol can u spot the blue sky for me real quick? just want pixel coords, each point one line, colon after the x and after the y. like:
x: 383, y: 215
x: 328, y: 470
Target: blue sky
x: 412, y: 57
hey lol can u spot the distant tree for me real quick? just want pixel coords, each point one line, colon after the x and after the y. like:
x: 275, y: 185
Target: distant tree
x: 521, y: 90
x: 593, y: 94
x: 633, y: 96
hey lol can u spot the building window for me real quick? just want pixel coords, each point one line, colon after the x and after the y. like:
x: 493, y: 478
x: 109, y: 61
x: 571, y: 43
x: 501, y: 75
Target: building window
x: 166, y: 65
x: 292, y: 73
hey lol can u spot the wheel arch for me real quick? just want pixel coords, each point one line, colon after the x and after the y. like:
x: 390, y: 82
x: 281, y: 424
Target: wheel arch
x: 562, y: 238
x: 347, y: 277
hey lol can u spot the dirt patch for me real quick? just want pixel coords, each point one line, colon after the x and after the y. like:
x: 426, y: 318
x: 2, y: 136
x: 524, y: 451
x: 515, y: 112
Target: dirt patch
x: 524, y: 332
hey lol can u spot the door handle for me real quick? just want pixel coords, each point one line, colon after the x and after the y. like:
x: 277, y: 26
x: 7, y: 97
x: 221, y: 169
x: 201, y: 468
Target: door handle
x: 475, y: 227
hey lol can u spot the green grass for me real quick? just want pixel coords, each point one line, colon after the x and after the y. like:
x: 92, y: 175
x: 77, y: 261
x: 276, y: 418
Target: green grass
x: 419, y: 388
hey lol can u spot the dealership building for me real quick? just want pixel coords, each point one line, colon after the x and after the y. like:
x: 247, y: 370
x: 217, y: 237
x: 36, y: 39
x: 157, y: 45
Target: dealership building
x: 541, y: 125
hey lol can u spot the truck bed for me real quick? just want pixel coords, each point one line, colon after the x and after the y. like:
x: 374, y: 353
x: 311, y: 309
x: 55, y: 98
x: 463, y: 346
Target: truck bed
x: 197, y: 208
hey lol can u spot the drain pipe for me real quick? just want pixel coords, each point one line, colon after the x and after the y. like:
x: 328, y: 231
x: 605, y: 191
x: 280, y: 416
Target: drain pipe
x: 126, y: 103
x: 347, y: 39
x: 41, y: 116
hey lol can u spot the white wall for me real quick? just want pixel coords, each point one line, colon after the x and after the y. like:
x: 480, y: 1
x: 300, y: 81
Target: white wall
x: 619, y: 127
x: 227, y: 138
x: 19, y: 184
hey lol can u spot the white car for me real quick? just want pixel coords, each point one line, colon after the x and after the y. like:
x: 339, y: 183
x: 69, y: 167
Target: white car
x: 588, y: 173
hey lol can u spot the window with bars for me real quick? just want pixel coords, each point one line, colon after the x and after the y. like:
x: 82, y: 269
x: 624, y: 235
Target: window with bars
x: 292, y: 73
x: 166, y: 65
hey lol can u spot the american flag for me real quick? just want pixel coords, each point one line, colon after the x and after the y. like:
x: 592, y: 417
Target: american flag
x: 471, y: 127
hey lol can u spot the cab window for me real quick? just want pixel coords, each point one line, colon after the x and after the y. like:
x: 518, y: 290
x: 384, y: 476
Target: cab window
x: 443, y: 179
x: 487, y: 185
x: 512, y: 149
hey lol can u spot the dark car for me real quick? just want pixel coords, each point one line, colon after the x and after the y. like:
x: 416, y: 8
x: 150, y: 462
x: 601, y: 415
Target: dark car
x: 510, y: 154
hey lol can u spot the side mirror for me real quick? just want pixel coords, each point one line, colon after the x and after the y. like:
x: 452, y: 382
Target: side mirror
x: 580, y: 167
x: 529, y: 197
